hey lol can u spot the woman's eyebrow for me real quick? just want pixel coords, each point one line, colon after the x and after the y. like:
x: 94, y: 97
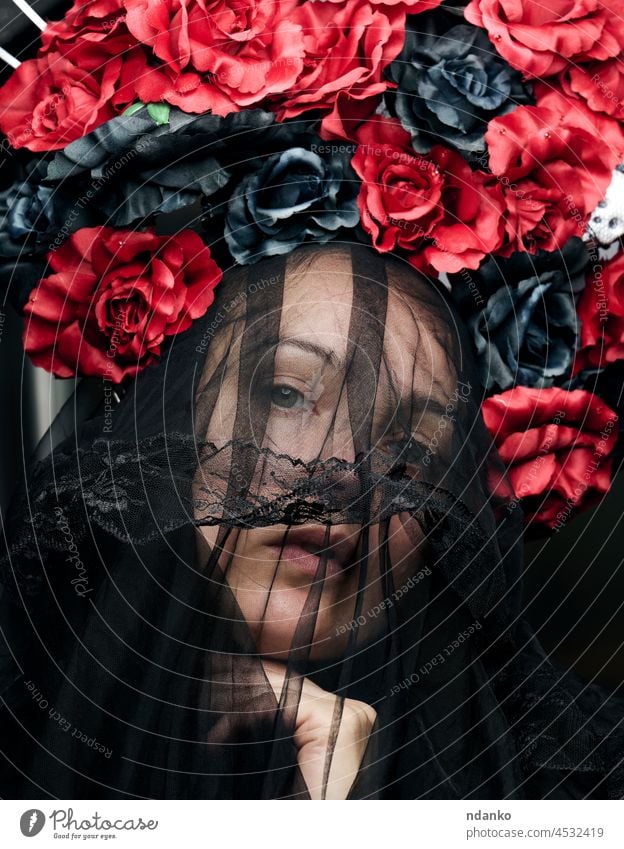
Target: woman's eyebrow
x: 326, y: 354
x: 401, y: 408
x: 423, y: 403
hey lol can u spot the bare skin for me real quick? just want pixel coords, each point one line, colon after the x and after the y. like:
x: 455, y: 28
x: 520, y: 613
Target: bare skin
x: 309, y: 404
x: 316, y: 712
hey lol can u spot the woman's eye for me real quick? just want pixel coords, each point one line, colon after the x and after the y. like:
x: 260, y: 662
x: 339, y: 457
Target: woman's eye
x: 287, y: 397
x: 408, y: 450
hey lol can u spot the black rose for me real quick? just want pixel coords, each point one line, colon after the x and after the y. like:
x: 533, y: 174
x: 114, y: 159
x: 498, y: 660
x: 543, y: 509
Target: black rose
x: 136, y: 167
x: 521, y: 314
x: 294, y: 195
x: 451, y: 82
x: 30, y: 213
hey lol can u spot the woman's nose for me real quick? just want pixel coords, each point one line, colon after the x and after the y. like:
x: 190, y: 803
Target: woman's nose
x: 324, y: 440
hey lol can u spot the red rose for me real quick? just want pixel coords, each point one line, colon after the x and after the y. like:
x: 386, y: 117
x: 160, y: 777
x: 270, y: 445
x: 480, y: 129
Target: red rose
x: 114, y: 298
x: 85, y: 72
x: 556, y: 445
x: 601, y: 310
x: 574, y: 112
x: 413, y: 7
x: 401, y: 193
x: 244, y: 52
x: 50, y: 101
x: 434, y: 207
x: 54, y: 99
x: 599, y: 84
x: 541, y: 39
x: 472, y: 224
x: 347, y: 48
x: 188, y: 90
x: 552, y: 173
x: 101, y: 22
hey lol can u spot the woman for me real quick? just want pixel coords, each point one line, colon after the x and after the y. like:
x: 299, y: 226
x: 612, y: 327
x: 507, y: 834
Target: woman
x: 292, y: 570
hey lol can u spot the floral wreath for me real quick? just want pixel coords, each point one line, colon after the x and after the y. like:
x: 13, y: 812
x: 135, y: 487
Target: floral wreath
x: 150, y: 143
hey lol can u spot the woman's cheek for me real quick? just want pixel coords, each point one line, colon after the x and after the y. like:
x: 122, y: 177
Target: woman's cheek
x: 305, y: 434
x: 406, y: 545
x: 284, y: 430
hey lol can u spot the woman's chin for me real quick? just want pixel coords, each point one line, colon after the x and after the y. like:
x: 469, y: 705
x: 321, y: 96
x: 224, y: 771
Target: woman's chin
x: 281, y: 642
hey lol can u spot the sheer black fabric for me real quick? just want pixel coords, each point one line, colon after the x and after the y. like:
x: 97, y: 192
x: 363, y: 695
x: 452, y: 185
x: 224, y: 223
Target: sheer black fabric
x: 302, y: 491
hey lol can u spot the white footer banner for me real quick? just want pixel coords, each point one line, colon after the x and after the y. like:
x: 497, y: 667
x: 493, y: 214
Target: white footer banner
x: 178, y: 824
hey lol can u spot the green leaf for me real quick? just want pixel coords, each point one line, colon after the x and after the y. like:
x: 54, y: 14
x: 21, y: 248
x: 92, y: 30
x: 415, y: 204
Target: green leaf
x: 159, y: 112
x: 134, y: 107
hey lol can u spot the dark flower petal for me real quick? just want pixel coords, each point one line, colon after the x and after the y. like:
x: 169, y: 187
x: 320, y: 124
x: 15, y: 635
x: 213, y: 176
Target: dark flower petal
x: 137, y: 168
x: 522, y: 317
x: 295, y: 195
x: 451, y: 82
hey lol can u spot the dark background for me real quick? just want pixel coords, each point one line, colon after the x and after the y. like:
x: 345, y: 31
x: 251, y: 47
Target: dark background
x: 574, y: 583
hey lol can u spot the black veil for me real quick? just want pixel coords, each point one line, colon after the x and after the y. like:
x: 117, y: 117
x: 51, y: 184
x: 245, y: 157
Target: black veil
x: 302, y: 492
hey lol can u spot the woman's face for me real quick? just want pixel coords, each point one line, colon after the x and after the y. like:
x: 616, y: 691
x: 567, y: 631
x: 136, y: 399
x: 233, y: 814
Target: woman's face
x: 272, y: 575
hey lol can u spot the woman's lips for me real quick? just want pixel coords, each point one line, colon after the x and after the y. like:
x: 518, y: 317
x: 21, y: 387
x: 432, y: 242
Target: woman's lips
x: 306, y: 562
x: 300, y: 548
